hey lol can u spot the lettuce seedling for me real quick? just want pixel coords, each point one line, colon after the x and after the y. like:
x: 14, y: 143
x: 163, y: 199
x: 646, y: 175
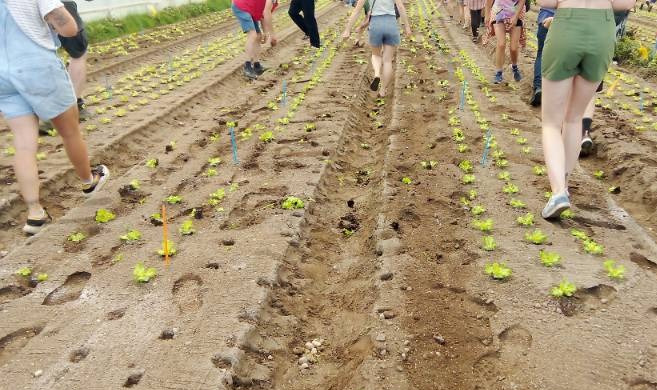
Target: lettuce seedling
x: 105, y: 120
x: 131, y: 236
x: 171, y: 249
x: 504, y: 175
x: 52, y: 132
x: 498, y: 271
x: 599, y: 175
x: 549, y: 259
x: 210, y: 172
x: 141, y: 274
x: 457, y: 135
x: 593, y: 247
x: 135, y: 184
x: 41, y: 156
x: 614, y: 190
x: 465, y: 202
x: 485, y: 225
x: 173, y: 199
x: 517, y: 204
x: 515, y: 131
x: 187, y: 228
x: 539, y: 170
x: 76, y: 237
x: 472, y: 194
x: 510, y: 188
x: 216, y: 197
x: 613, y: 271
x: 521, y: 140
x: 567, y: 214
x: 579, y: 234
x: 42, y: 277
x: 526, y: 150
x: 267, y: 137
x: 292, y: 202
x: 478, y: 210
x: 214, y: 137
x: 502, y: 163
x: 233, y: 187
x: 365, y: 146
x: 454, y: 121
x: 489, y: 243
x: 526, y: 220
x: 466, y: 166
x: 24, y: 272
x: 536, y: 237
x: 348, y: 232
x: 428, y: 164
x: 152, y: 163
x: 214, y: 161
x: 406, y: 180
x: 564, y: 289
x: 497, y: 154
x: 104, y: 216
x: 462, y: 148
x: 272, y: 106
x: 468, y: 179
x: 310, y: 127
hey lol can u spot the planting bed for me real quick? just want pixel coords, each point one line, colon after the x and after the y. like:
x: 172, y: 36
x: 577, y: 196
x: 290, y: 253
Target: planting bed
x: 350, y: 246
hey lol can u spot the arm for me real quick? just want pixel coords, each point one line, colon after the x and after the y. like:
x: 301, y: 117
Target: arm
x: 548, y: 3
x: 622, y: 5
x: 487, y: 12
x: 267, y: 22
x: 62, y: 22
x: 521, y: 7
x: 403, y: 16
x: 352, y: 18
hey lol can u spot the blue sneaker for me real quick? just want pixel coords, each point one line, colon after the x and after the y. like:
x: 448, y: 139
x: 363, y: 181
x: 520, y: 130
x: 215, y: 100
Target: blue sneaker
x: 516, y: 73
x: 498, y: 77
x: 556, y: 205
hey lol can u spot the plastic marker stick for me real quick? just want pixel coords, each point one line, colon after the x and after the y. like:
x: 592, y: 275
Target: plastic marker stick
x: 284, y: 99
x: 234, y: 143
x: 165, y: 242
x: 487, y: 147
x: 641, y: 101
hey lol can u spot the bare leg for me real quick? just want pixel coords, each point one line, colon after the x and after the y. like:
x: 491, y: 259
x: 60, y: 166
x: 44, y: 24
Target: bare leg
x: 590, y: 109
x: 514, y: 45
x: 252, y: 46
x: 77, y: 68
x: 377, y: 60
x: 68, y: 126
x: 581, y: 96
x: 554, y: 114
x: 500, y: 35
x: 25, y: 131
x: 388, y: 56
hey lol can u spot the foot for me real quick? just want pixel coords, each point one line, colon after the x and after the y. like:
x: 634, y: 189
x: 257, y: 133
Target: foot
x: 587, y: 144
x: 375, y: 84
x: 100, y: 176
x: 249, y: 72
x: 258, y: 68
x: 536, y: 98
x: 516, y: 73
x: 82, y: 109
x: 556, y: 205
x: 498, y: 77
x: 35, y: 224
x: 475, y: 39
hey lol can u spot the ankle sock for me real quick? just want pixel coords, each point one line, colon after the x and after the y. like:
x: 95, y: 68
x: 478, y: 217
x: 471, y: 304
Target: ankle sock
x: 514, y: 67
x: 586, y: 125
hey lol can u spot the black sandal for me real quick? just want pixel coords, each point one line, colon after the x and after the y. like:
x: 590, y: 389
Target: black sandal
x: 375, y: 84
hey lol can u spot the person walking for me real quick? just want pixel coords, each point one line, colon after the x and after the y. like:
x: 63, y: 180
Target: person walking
x: 306, y: 23
x: 506, y: 17
x: 76, y: 47
x: 249, y: 13
x: 572, y: 70
x: 34, y: 84
x: 384, y: 37
x: 545, y: 17
x: 476, y: 8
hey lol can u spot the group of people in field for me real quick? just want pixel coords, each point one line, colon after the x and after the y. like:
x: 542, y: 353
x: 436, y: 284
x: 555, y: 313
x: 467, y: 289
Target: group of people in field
x: 576, y: 40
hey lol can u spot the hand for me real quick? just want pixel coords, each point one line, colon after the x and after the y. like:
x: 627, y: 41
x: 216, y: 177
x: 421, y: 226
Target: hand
x: 262, y: 38
x: 547, y: 22
x: 408, y: 32
x: 514, y: 21
x: 272, y: 40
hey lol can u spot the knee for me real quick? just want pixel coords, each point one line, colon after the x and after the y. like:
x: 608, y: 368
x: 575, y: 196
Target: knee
x: 501, y: 45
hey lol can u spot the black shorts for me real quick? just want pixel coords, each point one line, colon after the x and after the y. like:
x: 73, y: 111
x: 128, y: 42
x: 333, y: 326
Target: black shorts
x: 518, y: 23
x: 75, y: 46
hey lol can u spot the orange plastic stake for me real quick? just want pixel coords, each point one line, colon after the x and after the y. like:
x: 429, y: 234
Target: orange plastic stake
x: 165, y: 235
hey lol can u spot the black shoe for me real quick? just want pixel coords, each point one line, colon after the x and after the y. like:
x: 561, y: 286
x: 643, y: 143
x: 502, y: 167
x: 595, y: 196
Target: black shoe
x: 587, y: 145
x: 259, y: 69
x: 536, y: 98
x: 34, y: 226
x: 100, y: 175
x: 375, y: 84
x: 249, y: 72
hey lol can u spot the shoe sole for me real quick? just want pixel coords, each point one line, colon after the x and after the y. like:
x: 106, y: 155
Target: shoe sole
x: 100, y: 185
x: 375, y: 84
x: 560, y: 208
x: 33, y: 230
x: 587, y: 146
x: 536, y: 101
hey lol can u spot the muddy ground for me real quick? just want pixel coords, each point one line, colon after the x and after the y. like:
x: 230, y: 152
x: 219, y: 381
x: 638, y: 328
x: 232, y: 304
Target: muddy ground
x: 378, y: 281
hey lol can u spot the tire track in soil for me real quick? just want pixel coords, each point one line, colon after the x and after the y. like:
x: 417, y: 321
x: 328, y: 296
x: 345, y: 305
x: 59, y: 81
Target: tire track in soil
x: 58, y: 191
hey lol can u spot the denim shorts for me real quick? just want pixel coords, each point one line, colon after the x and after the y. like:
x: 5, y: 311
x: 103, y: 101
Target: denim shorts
x: 246, y: 20
x: 33, y: 80
x: 384, y: 31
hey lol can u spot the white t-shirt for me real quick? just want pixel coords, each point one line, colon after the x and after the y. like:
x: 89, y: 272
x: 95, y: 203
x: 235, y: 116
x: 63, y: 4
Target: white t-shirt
x: 30, y: 17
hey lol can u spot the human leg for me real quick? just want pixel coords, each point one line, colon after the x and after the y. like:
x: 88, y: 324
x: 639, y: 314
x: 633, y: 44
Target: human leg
x: 513, y: 51
x: 553, y: 116
x: 295, y: 14
x: 77, y: 69
x: 541, y: 33
x: 377, y: 62
x: 311, y: 22
x: 388, y: 55
x: 25, y: 133
x: 475, y: 21
x: 587, y: 122
x: 500, y: 36
x: 580, y: 98
x: 68, y: 127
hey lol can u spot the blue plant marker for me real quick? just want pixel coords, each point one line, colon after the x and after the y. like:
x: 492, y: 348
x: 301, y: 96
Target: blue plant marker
x: 641, y: 101
x: 234, y: 143
x: 108, y: 86
x: 284, y: 98
x: 486, y: 147
x: 462, y: 102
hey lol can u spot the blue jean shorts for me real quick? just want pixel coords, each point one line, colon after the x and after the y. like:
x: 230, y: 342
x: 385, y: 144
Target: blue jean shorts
x: 246, y: 20
x: 384, y: 31
x: 33, y: 80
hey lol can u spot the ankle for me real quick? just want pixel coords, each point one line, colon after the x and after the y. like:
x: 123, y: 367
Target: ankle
x: 35, y: 211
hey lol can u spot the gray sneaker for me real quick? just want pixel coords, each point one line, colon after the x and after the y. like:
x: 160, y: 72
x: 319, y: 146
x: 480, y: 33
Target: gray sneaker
x: 249, y: 72
x: 555, y: 206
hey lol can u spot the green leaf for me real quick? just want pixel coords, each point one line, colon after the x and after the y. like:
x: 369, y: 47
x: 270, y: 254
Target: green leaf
x: 526, y: 220
x: 462, y: 148
x: 613, y: 271
x: 510, y: 188
x: 593, y: 247
x: 472, y: 194
x: 483, y: 225
x: 536, y: 237
x: 517, y: 204
x: 347, y: 232
x: 489, y: 243
x: 497, y: 271
x: 564, y: 289
x: 135, y: 184
x: 539, y: 170
x: 468, y: 179
x: 599, y: 175
x: 478, y: 210
x: 131, y: 236
x: 214, y: 161
x: 579, y: 234
x: 466, y: 166
x: 267, y: 137
x: 567, y: 214
x: 152, y: 163
x: 76, y: 237
x: 292, y: 202
x: 104, y: 216
x: 504, y: 175
x: 141, y: 274
x: 24, y: 272
x: 42, y: 277
x: 549, y: 259
x: 171, y: 249
x: 173, y: 199
x: 187, y: 228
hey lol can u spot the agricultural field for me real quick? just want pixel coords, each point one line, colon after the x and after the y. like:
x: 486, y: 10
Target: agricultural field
x: 344, y: 242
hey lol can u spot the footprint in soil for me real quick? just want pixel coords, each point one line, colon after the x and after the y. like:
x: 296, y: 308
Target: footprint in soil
x: 515, y: 341
x: 187, y: 293
x: 643, y: 262
x: 79, y: 355
x: 11, y: 292
x: 15, y: 341
x: 69, y: 291
x: 642, y: 384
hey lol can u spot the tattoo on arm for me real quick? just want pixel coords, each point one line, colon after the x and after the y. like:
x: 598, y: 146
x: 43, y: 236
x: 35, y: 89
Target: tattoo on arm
x: 60, y: 19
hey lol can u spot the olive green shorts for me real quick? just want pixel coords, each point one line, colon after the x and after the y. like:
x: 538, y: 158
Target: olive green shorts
x: 580, y: 41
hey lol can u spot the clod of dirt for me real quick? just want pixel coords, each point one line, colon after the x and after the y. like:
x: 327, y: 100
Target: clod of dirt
x: 155, y: 221
x: 568, y: 306
x: 228, y: 242
x: 134, y: 378
x: 129, y: 194
x: 115, y: 314
x: 386, y: 276
x: 212, y: 266
x: 78, y: 355
x: 439, y: 339
x: 168, y: 334
x: 351, y: 203
x: 168, y: 149
x: 224, y: 360
x: 395, y: 226
x: 349, y: 222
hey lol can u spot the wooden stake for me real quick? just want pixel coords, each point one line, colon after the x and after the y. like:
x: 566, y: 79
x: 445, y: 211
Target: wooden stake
x: 165, y: 235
